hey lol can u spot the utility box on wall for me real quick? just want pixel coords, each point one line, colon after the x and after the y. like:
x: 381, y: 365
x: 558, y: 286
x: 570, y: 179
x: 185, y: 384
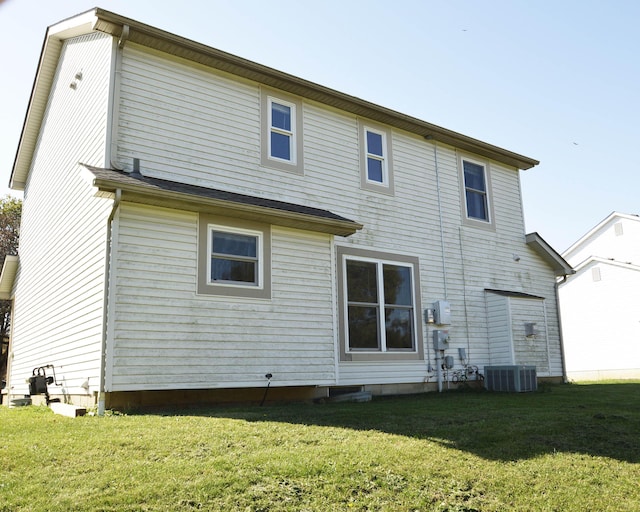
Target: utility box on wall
x: 442, y: 312
x: 440, y: 339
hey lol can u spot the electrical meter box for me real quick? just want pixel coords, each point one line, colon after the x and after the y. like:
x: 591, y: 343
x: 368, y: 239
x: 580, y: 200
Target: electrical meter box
x: 440, y: 339
x: 442, y: 312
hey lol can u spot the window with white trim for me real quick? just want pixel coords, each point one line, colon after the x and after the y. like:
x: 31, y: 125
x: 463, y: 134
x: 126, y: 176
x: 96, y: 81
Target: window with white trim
x: 376, y: 168
x: 234, y: 257
x: 282, y: 133
x: 475, y: 189
x: 376, y: 160
x: 380, y: 312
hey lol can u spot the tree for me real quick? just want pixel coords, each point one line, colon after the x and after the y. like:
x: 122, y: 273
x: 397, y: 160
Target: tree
x: 10, y: 212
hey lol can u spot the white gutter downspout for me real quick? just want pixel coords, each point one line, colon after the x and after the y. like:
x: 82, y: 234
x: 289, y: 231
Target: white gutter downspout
x: 115, y: 101
x: 112, y: 154
x: 105, y: 311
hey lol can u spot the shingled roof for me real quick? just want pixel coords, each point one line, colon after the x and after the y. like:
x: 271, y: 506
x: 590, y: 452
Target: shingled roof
x: 137, y: 188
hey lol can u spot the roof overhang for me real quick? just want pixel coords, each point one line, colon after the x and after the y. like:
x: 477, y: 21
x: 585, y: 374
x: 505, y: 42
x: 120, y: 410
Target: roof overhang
x: 549, y: 254
x: 137, y: 188
x: 113, y: 24
x: 47, y: 65
x: 8, y: 276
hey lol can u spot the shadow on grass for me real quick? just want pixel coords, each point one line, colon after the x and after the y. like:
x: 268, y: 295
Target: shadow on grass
x: 595, y: 419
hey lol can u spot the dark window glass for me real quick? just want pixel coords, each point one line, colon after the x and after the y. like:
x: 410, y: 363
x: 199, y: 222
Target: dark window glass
x: 362, y: 282
x: 281, y: 146
x: 281, y: 116
x: 363, y: 328
x: 234, y: 244
x: 398, y: 328
x: 374, y: 170
x: 230, y: 270
x: 397, y: 285
x: 474, y: 177
x: 477, y: 205
x: 234, y: 257
x: 374, y: 143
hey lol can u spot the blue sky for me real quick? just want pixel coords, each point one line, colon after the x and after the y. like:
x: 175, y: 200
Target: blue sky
x: 555, y: 80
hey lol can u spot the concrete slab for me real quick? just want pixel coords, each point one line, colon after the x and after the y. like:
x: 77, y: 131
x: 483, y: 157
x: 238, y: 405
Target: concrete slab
x: 72, y: 411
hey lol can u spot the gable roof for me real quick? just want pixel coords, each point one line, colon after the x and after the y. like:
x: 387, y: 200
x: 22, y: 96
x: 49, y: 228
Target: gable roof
x: 153, y: 191
x: 560, y: 266
x: 130, y: 30
x: 585, y: 238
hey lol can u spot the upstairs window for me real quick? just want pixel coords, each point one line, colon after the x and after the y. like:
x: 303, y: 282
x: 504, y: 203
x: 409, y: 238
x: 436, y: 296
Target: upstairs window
x: 281, y: 131
x: 475, y: 187
x: 476, y: 194
x: 375, y: 158
x: 376, y: 163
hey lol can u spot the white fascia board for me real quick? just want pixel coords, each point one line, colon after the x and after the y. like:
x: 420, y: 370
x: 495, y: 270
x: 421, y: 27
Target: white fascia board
x: 8, y: 276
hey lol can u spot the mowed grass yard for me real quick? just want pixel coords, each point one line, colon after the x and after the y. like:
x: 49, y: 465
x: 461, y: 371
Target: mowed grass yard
x: 564, y: 448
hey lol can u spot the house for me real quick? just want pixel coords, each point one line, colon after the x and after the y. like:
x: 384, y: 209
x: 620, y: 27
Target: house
x: 600, y: 304
x: 197, y: 226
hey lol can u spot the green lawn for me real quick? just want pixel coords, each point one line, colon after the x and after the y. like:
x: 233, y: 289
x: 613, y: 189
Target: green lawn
x: 564, y: 448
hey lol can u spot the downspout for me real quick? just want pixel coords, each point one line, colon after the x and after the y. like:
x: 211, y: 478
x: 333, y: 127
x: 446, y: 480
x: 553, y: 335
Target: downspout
x: 115, y: 102
x: 112, y: 154
x: 105, y: 311
x: 557, y: 284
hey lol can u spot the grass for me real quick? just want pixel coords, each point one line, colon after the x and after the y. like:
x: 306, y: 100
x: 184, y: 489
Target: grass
x: 566, y: 448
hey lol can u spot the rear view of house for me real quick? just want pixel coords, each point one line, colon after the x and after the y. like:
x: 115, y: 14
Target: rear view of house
x: 601, y: 302
x: 198, y: 227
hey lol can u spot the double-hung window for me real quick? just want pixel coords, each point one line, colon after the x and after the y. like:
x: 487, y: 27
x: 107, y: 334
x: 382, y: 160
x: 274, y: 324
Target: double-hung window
x: 476, y: 193
x: 376, y: 161
x: 234, y: 257
x: 378, y: 295
x: 375, y: 156
x: 281, y: 131
x: 282, y: 117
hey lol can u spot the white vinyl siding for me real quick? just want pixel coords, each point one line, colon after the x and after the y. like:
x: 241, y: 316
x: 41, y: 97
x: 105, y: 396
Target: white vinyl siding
x: 191, y: 125
x: 58, y: 311
x: 164, y: 336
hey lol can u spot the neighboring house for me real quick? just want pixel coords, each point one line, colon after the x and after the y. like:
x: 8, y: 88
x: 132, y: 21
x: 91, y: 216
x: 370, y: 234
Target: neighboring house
x: 600, y: 304
x: 194, y: 223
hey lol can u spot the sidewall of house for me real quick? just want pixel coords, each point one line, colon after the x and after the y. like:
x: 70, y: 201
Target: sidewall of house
x: 58, y: 309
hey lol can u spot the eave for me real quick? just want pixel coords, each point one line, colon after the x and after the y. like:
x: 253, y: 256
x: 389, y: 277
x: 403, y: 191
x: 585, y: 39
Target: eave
x: 140, y: 189
x: 8, y: 276
x: 549, y: 254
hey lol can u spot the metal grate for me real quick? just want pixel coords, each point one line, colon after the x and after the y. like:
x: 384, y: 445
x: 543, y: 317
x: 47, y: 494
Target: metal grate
x: 512, y: 379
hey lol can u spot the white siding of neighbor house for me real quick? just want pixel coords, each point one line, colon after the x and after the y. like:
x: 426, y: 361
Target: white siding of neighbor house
x: 165, y: 336
x: 601, y: 322
x: 621, y: 243
x: 58, y: 308
x: 601, y: 303
x: 186, y: 123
